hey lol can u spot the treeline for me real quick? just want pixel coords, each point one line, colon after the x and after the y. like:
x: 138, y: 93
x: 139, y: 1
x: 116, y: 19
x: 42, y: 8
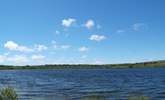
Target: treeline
x: 151, y: 64
x: 64, y: 66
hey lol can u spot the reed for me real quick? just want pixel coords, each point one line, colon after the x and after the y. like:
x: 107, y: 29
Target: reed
x: 8, y: 93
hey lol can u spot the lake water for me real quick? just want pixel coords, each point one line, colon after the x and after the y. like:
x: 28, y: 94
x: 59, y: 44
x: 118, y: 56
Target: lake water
x: 86, y: 84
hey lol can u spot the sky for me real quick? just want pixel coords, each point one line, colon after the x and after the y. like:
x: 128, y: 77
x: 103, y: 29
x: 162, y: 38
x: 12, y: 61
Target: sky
x: 36, y: 32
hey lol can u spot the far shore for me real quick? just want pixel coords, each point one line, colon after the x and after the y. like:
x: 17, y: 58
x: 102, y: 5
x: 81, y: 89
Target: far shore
x: 150, y: 64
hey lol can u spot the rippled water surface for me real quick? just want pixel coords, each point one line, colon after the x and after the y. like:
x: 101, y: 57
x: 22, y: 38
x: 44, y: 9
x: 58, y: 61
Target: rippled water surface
x: 86, y: 84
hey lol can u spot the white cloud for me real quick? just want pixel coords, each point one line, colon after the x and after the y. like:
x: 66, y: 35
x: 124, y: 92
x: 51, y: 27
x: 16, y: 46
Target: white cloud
x: 89, y: 24
x: 2, y: 58
x: 58, y: 46
x: 11, y: 45
x: 138, y: 26
x: 98, y: 62
x: 97, y: 38
x: 38, y: 57
x: 41, y: 47
x: 18, y: 59
x: 24, y: 49
x: 83, y: 49
x: 68, y: 22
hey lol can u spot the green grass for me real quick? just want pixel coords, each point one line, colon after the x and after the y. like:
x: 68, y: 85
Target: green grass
x: 8, y: 94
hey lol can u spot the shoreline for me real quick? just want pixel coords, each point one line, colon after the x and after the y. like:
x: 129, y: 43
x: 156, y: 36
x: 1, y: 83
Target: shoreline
x: 151, y: 64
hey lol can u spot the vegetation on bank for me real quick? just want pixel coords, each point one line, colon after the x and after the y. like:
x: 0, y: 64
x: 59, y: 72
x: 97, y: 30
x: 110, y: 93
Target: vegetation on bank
x: 8, y: 94
x: 151, y: 64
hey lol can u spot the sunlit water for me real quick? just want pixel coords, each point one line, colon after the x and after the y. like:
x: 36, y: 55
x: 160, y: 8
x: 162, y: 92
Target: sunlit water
x: 86, y: 84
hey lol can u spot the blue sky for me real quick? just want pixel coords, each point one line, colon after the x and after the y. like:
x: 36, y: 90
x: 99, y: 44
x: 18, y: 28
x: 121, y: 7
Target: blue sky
x: 81, y: 31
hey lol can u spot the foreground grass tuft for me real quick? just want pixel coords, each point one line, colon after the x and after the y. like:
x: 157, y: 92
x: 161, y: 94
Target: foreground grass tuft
x: 8, y: 94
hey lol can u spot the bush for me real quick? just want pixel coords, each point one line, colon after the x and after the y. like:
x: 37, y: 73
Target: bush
x: 8, y: 94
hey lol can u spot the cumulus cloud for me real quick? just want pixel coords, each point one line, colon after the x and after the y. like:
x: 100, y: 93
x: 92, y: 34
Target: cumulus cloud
x: 97, y: 38
x: 89, y: 24
x: 58, y: 46
x: 11, y: 45
x: 83, y: 49
x: 41, y: 47
x: 68, y: 22
x: 38, y: 57
x: 18, y: 59
x: 98, y: 62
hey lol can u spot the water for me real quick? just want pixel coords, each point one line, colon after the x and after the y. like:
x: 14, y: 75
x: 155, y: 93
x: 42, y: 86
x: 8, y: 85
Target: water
x: 86, y: 84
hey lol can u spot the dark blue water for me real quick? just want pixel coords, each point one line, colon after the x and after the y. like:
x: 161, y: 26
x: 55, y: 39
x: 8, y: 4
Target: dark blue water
x: 90, y: 84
